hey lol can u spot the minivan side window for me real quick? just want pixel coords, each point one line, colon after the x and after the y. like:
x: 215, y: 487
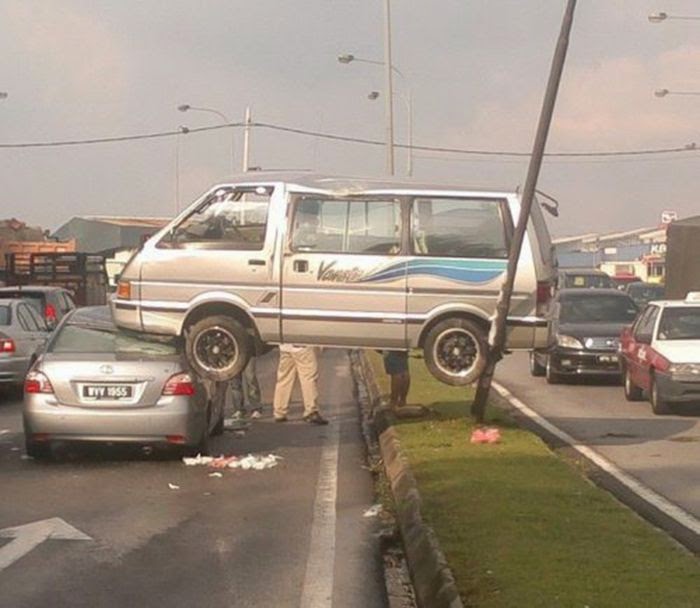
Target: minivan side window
x: 228, y: 219
x: 452, y: 227
x: 356, y: 226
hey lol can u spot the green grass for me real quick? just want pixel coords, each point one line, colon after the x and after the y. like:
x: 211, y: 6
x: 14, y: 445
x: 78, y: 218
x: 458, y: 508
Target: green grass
x: 521, y: 527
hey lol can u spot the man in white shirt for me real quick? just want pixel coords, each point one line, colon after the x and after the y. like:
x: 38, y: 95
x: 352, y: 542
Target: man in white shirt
x: 297, y: 360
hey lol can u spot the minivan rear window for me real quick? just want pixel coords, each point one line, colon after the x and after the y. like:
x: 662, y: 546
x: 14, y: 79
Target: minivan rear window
x: 464, y: 228
x: 86, y: 339
x: 5, y: 315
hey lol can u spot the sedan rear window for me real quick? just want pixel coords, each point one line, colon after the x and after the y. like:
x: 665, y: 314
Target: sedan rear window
x: 85, y: 339
x: 5, y: 315
x: 598, y: 309
x: 680, y: 323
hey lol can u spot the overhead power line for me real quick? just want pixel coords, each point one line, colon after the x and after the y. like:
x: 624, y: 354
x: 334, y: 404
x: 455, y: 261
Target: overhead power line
x: 692, y: 147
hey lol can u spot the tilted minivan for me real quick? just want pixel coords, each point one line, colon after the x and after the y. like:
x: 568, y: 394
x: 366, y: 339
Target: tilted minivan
x: 338, y: 262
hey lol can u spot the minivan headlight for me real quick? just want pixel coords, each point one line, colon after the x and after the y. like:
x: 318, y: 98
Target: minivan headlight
x: 569, y: 342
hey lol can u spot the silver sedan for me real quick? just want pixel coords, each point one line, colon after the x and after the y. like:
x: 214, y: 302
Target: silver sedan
x: 23, y: 334
x: 97, y: 383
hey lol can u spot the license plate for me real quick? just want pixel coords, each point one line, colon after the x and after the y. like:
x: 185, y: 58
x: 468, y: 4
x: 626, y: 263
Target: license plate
x: 112, y: 392
x: 607, y: 358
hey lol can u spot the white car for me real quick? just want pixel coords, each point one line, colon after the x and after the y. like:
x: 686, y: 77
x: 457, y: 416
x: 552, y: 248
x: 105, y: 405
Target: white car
x: 661, y: 354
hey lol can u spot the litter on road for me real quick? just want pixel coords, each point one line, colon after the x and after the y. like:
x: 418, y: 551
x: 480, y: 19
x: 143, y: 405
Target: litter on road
x: 216, y: 474
x: 172, y: 486
x: 373, y: 511
x: 487, y: 435
x: 254, y: 462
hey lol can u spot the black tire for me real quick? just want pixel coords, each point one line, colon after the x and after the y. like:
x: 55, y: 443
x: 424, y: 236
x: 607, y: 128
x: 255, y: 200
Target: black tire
x: 632, y: 391
x: 217, y: 347
x: 218, y: 427
x: 202, y: 446
x: 38, y: 451
x: 536, y: 368
x: 455, y: 351
x: 552, y: 376
x: 658, y: 405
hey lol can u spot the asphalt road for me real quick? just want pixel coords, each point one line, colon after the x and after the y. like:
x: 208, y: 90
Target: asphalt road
x: 289, y: 536
x: 661, y: 451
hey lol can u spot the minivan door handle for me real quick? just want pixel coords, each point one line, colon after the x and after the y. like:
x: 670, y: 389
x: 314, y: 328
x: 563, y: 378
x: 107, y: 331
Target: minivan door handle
x: 301, y: 265
x: 256, y: 262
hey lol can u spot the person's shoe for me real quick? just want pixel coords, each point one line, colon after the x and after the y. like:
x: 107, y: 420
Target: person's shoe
x: 238, y: 415
x: 256, y: 413
x: 315, y: 418
x: 281, y: 419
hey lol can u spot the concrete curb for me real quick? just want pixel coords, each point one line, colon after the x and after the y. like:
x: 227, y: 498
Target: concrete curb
x: 432, y: 578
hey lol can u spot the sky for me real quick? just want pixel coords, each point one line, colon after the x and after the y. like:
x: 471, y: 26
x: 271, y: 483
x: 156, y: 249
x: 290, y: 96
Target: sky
x: 476, y: 71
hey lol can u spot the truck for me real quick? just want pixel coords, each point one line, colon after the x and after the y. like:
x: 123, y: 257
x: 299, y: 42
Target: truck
x: 683, y: 258
x: 82, y: 274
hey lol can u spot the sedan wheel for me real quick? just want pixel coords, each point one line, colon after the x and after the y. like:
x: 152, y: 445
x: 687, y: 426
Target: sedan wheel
x: 552, y: 376
x: 658, y: 405
x: 536, y: 368
x: 632, y: 391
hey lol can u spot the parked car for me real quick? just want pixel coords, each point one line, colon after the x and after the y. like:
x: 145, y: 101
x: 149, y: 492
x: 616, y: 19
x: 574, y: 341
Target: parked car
x: 643, y: 293
x: 23, y: 334
x: 52, y: 303
x: 97, y: 383
x: 579, y: 278
x: 585, y: 327
x: 661, y: 354
x: 338, y: 262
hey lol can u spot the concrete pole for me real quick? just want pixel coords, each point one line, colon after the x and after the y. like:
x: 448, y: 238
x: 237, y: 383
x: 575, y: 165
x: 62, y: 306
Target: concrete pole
x: 246, y: 140
x: 497, y: 337
x: 389, y: 92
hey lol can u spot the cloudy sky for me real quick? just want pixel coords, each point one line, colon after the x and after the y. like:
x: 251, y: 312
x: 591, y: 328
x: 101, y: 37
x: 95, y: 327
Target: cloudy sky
x: 476, y: 69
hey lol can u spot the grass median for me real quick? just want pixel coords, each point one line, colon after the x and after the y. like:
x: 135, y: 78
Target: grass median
x: 522, y: 527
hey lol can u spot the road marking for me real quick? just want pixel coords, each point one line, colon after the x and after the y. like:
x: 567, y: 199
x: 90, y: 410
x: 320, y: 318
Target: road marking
x: 29, y: 536
x: 673, y: 511
x: 317, y: 591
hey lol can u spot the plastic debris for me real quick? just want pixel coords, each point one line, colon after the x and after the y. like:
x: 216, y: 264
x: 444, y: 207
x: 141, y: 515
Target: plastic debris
x: 255, y: 414
x: 486, y: 435
x: 172, y: 486
x: 222, y: 462
x: 216, y: 474
x: 197, y: 460
x: 4, y: 431
x: 373, y: 511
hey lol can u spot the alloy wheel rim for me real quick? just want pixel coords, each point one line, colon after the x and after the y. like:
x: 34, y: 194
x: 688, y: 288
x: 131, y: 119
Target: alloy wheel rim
x: 455, y: 352
x: 215, y: 349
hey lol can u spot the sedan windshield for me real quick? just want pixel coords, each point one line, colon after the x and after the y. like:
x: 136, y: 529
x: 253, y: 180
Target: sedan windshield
x: 5, y: 315
x: 680, y: 323
x: 86, y: 339
x: 597, y: 309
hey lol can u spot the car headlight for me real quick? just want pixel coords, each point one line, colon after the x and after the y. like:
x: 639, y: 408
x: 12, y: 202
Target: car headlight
x: 569, y: 342
x: 685, y: 369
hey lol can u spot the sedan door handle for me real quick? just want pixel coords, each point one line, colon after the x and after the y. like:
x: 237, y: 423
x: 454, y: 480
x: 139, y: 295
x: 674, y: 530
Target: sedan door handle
x: 256, y: 262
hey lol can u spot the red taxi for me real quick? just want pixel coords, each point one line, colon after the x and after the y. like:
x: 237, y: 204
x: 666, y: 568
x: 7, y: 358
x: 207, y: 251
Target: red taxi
x: 661, y: 354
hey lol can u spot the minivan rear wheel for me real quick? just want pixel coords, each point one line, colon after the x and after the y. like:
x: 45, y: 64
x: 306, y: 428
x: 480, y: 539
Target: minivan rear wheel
x: 455, y: 351
x: 217, y: 347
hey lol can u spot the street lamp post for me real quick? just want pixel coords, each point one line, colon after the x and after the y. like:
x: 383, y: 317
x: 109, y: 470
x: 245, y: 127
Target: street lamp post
x: 182, y: 130
x: 389, y: 102
x: 185, y: 107
x: 374, y: 95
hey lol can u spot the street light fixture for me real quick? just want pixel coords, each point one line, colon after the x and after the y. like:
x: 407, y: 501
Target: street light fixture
x: 665, y: 92
x: 185, y: 107
x: 373, y: 96
x: 659, y: 17
x: 3, y: 95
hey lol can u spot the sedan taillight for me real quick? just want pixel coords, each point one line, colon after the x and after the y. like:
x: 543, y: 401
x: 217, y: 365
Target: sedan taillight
x: 36, y: 382
x: 7, y: 345
x: 179, y: 384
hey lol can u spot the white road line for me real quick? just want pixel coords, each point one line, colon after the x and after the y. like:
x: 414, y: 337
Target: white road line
x: 673, y: 511
x: 317, y: 591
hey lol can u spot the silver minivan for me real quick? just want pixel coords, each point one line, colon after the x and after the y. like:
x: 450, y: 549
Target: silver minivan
x: 338, y: 262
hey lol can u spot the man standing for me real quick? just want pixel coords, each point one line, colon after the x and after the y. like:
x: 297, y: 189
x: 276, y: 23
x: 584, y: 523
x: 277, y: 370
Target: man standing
x: 301, y: 361
x: 396, y: 366
x: 245, y: 390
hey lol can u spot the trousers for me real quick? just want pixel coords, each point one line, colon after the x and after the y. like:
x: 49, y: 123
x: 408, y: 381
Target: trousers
x: 301, y: 363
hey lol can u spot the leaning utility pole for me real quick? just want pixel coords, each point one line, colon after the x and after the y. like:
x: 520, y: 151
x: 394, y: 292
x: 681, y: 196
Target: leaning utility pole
x: 246, y: 140
x: 497, y: 335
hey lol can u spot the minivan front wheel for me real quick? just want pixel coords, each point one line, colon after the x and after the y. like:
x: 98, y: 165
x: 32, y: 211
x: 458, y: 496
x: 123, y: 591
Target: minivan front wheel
x: 455, y: 351
x: 217, y: 347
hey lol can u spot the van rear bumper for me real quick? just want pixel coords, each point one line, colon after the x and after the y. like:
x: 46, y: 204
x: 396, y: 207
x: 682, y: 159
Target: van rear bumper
x: 525, y: 333
x: 125, y: 314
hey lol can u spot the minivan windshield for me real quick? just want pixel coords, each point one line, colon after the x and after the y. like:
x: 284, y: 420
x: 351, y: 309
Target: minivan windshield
x: 228, y: 219
x: 96, y: 339
x: 597, y: 309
